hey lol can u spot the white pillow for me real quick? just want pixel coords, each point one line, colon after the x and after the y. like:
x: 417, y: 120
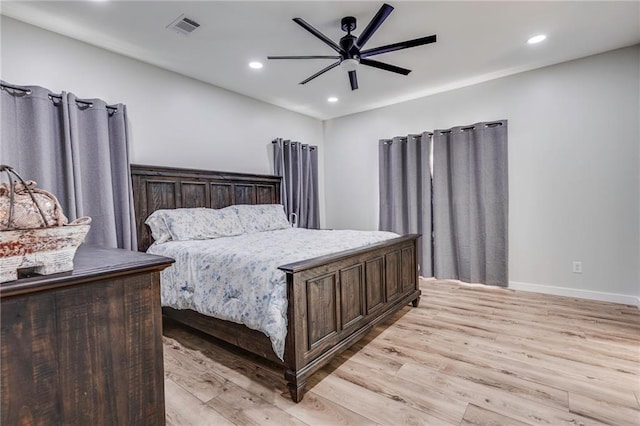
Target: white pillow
x: 261, y: 217
x: 200, y: 223
x: 159, y: 230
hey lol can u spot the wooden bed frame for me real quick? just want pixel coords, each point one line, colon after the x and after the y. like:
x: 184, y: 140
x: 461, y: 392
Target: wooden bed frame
x: 333, y: 300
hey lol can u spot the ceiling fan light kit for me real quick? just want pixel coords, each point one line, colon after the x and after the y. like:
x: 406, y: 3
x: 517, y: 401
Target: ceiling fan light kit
x: 349, y: 64
x: 349, y: 49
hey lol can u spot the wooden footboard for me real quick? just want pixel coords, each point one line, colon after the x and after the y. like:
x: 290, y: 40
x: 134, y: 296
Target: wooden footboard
x: 334, y: 300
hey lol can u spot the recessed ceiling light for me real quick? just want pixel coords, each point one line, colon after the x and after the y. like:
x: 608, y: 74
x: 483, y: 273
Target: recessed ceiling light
x: 332, y: 99
x: 255, y: 65
x: 537, y: 39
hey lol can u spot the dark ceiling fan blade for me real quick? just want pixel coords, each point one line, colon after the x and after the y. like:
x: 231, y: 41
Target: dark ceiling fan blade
x: 383, y: 66
x: 397, y: 46
x: 353, y: 79
x: 318, y: 34
x: 375, y: 23
x: 322, y: 71
x: 303, y: 57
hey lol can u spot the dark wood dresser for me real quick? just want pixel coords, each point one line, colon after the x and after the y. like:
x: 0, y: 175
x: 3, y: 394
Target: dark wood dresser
x: 85, y: 347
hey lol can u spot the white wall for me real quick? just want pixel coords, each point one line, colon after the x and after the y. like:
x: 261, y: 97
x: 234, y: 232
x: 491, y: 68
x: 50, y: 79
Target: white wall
x: 573, y: 167
x: 174, y: 120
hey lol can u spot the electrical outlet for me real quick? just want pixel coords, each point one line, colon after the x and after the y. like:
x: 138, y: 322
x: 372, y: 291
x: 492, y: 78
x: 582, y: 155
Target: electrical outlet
x: 577, y: 267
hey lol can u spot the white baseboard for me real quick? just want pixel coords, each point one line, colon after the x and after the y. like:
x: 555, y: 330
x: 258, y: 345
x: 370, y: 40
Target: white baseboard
x: 574, y: 292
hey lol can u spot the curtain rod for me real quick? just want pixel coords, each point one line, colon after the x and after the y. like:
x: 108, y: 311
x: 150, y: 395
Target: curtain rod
x: 464, y: 129
x: 442, y: 132
x: 26, y: 90
x: 114, y: 109
x: 21, y: 89
x: 404, y: 138
x: 304, y: 146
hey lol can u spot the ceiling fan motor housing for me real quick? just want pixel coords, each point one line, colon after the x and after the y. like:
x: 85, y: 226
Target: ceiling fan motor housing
x: 348, y: 43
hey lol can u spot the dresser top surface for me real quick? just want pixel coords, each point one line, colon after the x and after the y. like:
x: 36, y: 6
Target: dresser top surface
x: 89, y: 264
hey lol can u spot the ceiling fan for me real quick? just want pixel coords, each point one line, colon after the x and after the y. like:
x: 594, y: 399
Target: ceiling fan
x: 349, y: 49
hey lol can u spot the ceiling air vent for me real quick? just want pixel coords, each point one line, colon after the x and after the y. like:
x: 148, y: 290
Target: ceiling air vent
x: 183, y: 25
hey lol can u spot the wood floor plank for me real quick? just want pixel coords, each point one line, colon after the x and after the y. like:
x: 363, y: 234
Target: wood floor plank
x: 585, y: 365
x: 184, y: 370
x: 525, y: 302
x: 547, y: 319
x: 570, y: 380
x: 243, y: 407
x: 478, y: 416
x: 260, y: 379
x: 598, y: 321
x: 316, y: 410
x: 606, y: 412
x: 469, y: 354
x: 532, y: 354
x: 434, y: 351
x: 427, y: 399
x: 603, y: 357
x: 497, y: 400
x: 496, y: 326
x: 461, y: 324
x: 184, y: 409
x: 626, y: 347
x: 541, y: 393
x: 372, y: 359
x: 389, y: 348
x: 379, y: 408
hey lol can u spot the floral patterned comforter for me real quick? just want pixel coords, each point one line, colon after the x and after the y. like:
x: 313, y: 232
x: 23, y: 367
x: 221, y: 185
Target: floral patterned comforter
x: 237, y: 278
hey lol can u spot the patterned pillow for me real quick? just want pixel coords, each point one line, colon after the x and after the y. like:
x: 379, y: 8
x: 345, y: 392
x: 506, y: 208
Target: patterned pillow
x: 200, y: 223
x: 261, y: 217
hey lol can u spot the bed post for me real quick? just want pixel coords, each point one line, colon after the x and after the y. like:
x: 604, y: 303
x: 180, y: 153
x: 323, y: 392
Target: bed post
x: 296, y: 387
x: 295, y: 335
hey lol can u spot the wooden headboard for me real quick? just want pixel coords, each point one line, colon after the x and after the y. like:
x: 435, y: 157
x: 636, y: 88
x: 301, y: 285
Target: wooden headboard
x: 171, y: 188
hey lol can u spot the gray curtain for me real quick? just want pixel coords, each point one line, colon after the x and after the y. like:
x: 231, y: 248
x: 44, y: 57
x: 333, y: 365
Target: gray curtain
x: 405, y: 191
x: 78, y: 150
x: 470, y: 203
x: 297, y: 163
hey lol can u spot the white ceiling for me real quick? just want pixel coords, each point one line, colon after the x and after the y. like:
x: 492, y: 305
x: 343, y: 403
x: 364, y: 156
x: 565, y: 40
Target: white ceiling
x: 477, y: 41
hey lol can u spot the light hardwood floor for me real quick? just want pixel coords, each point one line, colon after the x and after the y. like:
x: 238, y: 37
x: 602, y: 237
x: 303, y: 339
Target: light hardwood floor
x: 469, y: 355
